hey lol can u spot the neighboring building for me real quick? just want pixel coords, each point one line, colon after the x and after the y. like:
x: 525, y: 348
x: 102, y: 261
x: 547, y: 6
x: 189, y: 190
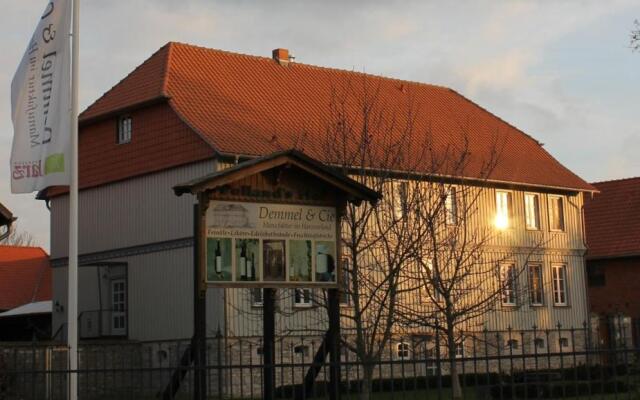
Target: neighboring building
x: 25, y: 293
x: 188, y: 111
x: 612, y: 222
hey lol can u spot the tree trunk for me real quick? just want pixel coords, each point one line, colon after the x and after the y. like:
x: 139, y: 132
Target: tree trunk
x: 456, y: 389
x: 366, y: 387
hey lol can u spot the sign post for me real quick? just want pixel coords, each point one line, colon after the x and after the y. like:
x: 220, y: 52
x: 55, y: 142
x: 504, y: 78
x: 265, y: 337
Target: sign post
x: 272, y: 222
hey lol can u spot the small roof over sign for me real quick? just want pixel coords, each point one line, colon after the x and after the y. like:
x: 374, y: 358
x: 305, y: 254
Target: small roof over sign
x: 355, y: 191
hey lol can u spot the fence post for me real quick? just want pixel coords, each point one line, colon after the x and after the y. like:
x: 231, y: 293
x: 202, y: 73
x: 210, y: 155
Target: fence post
x: 268, y: 345
x: 334, y: 344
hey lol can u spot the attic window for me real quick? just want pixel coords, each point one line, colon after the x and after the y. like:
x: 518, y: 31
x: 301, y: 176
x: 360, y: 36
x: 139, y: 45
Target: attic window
x: 124, y: 129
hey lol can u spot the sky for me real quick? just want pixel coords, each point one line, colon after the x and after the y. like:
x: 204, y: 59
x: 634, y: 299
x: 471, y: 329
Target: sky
x: 561, y: 71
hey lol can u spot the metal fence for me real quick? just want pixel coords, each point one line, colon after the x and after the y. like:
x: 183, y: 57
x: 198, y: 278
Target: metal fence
x: 598, y: 360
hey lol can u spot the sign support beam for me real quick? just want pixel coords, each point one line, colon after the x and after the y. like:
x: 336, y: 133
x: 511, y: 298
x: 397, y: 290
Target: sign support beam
x: 199, y: 314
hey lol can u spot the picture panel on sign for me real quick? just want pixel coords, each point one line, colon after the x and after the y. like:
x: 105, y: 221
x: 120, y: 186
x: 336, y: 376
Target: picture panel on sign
x: 247, y: 259
x: 263, y: 242
x: 300, y: 256
x: 325, y: 261
x: 274, y: 256
x: 218, y: 259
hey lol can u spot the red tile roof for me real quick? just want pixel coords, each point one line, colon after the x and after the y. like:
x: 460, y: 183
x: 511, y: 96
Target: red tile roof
x: 250, y: 105
x: 25, y: 276
x: 612, y: 219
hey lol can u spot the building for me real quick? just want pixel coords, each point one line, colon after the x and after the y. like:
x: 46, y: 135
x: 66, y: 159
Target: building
x: 612, y: 225
x: 188, y: 111
x: 25, y: 293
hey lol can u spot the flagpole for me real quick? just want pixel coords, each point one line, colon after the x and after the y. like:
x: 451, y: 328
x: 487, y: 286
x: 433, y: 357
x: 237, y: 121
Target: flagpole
x: 72, y: 306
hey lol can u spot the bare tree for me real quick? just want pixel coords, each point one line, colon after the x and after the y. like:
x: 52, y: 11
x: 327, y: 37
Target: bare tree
x: 19, y: 237
x: 370, y: 142
x: 455, y: 276
x: 635, y: 37
x: 428, y: 239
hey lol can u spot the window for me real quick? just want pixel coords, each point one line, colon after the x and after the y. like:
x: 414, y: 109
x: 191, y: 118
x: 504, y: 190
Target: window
x: 563, y: 343
x: 451, y: 206
x: 559, y: 285
x: 256, y: 297
x: 302, y: 297
x: 556, y: 213
x: 513, y: 344
x: 118, y: 307
x: 345, y: 285
x: 433, y: 281
x: 596, y: 276
x: 403, y: 351
x: 400, y: 198
x: 124, y: 130
x: 532, y: 211
x: 460, y: 349
x: 508, y: 283
x: 302, y: 349
x: 535, y: 285
x: 538, y: 344
x: 503, y: 209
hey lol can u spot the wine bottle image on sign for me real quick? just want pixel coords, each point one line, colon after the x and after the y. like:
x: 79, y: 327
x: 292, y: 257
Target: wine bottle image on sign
x: 218, y: 259
x: 246, y: 257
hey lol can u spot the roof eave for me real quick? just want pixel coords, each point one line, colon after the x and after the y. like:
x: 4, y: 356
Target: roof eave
x: 83, y: 121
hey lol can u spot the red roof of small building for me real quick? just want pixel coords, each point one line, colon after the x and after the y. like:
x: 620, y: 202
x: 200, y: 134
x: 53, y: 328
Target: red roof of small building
x: 612, y: 219
x: 248, y: 105
x: 25, y: 276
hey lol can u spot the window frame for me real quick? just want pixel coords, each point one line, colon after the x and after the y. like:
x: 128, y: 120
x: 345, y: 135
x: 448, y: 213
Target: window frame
x: 437, y: 296
x: 509, y: 345
x: 510, y: 212
x: 537, y: 265
x: 120, y: 138
x: 252, y: 296
x: 555, y: 283
x: 514, y: 289
x: 344, y: 295
x: 561, y: 348
x: 308, y: 300
x: 460, y: 350
x: 451, y: 206
x: 401, y: 201
x: 561, y: 215
x: 406, y: 348
x: 537, y: 216
x: 535, y: 342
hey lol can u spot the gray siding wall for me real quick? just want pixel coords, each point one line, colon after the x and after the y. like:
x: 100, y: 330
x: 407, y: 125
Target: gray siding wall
x: 128, y: 213
x: 138, y: 212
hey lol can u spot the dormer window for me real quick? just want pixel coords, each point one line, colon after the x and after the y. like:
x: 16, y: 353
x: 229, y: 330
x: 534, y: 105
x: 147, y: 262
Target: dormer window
x: 124, y: 129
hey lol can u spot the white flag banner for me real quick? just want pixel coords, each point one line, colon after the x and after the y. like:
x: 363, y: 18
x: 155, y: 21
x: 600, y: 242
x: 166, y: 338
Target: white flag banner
x: 41, y: 105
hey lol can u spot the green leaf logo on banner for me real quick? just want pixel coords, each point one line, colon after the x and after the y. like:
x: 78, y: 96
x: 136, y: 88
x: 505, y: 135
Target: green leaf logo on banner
x: 54, y: 163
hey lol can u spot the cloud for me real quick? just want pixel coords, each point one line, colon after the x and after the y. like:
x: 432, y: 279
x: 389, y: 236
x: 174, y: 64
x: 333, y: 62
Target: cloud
x: 528, y: 62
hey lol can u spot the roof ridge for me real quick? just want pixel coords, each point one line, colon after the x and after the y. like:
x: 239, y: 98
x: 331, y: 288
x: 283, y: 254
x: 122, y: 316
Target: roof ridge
x: 365, y: 74
x: 312, y: 66
x: 616, y: 180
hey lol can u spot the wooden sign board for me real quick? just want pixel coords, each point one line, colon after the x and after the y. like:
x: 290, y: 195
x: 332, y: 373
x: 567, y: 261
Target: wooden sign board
x: 273, y: 221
